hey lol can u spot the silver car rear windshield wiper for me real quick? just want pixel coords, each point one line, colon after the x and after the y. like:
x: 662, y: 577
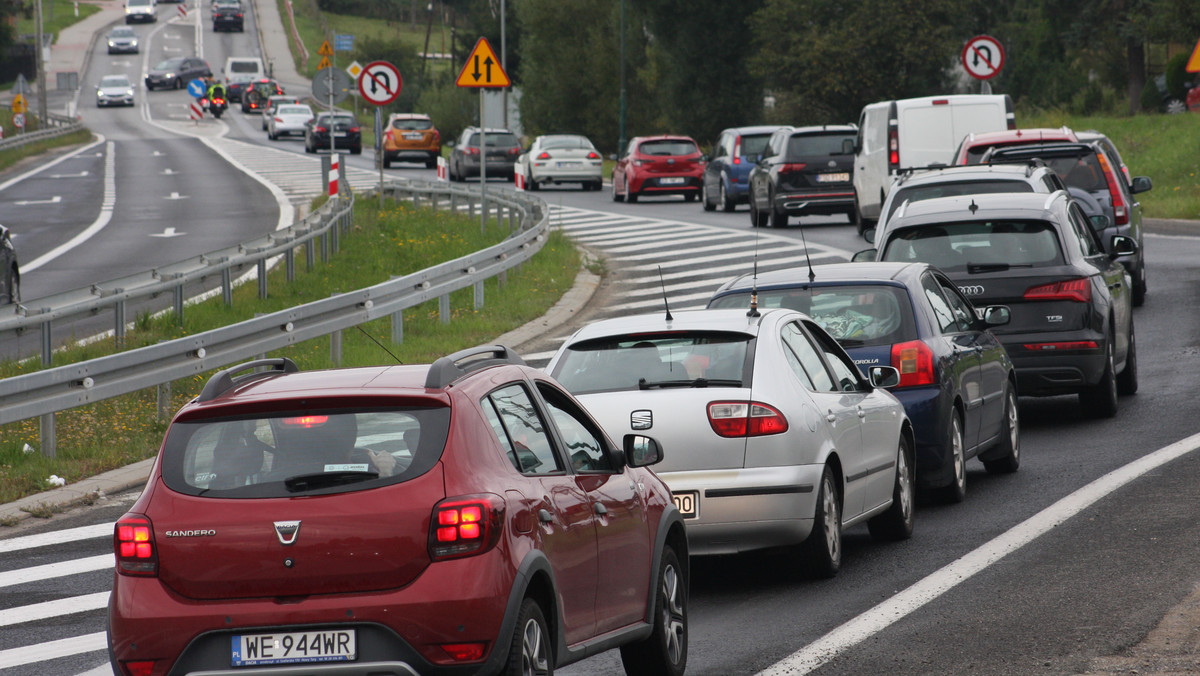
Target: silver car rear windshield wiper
x: 973, y: 268
x: 305, y: 482
x: 644, y: 384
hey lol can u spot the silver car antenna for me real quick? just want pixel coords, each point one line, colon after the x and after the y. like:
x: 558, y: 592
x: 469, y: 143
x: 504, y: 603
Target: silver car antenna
x: 753, y: 312
x: 811, y: 275
x: 664, y: 292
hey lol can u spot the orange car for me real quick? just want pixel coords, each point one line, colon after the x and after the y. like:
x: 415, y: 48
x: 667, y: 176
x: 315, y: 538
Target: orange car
x: 411, y: 137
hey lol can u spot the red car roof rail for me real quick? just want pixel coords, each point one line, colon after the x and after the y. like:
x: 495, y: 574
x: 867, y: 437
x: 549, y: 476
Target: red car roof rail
x: 223, y: 381
x: 454, y: 366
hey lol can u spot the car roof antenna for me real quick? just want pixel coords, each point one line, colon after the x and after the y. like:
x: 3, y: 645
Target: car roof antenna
x: 753, y: 312
x: 381, y: 345
x: 811, y: 275
x: 664, y: 291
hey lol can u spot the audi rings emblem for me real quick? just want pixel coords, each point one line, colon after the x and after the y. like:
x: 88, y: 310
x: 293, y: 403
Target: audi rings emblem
x: 972, y: 290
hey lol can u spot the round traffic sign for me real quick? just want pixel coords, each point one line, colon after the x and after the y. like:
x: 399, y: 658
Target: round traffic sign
x: 983, y: 57
x: 330, y: 83
x: 19, y: 120
x: 379, y: 83
x: 197, y: 88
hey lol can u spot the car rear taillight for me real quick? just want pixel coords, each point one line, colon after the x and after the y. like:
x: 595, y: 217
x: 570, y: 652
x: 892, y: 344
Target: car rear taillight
x: 1120, y: 210
x: 465, y: 526
x: 1078, y: 290
x: 593, y: 155
x: 893, y: 149
x: 436, y: 135
x: 514, y: 151
x: 320, y: 130
x: 737, y: 150
x: 745, y: 419
x: 133, y: 542
x: 139, y: 668
x: 355, y: 130
x: 793, y: 168
x: 543, y: 155
x: 914, y: 360
x: 464, y: 652
x: 471, y: 151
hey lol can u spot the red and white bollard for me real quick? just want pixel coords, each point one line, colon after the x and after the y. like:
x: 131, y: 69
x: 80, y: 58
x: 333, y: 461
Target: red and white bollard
x: 196, y: 112
x: 519, y: 180
x: 183, y: 11
x: 441, y: 169
x: 333, y: 175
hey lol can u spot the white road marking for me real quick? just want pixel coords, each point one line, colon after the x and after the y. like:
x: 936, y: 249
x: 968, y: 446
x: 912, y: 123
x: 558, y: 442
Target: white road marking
x: 106, y: 212
x: 60, y: 569
x: 40, y: 652
x: 56, y: 537
x: 56, y: 608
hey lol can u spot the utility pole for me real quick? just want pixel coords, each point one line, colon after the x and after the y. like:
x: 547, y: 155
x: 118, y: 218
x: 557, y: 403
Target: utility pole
x: 503, y: 61
x: 621, y: 140
x: 43, y: 113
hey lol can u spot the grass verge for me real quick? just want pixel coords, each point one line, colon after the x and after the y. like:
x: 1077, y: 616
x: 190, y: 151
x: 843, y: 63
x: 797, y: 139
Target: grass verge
x: 56, y: 15
x: 9, y: 158
x: 394, y: 239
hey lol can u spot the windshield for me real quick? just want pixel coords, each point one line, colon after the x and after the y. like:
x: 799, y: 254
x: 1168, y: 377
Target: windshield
x: 668, y: 147
x: 243, y: 67
x: 294, y: 110
x: 115, y: 81
x: 644, y: 361
x: 854, y: 314
x: 976, y: 246
x: 122, y: 33
x: 916, y: 193
x: 303, y: 451
x: 170, y: 64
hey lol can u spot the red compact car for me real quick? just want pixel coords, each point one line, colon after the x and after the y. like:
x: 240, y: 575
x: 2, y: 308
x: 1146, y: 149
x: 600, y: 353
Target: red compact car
x: 464, y: 517
x: 975, y: 146
x: 658, y: 165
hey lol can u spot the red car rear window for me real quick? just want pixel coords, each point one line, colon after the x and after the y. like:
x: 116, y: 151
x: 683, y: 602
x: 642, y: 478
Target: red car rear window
x: 668, y: 147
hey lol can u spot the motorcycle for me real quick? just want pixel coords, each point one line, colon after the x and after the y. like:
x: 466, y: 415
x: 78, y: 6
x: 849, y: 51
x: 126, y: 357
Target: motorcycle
x: 215, y: 106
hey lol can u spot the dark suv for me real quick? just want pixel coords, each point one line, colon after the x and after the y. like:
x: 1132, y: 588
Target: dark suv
x: 228, y: 19
x: 503, y: 148
x: 804, y: 170
x: 463, y: 517
x: 343, y: 127
x: 1096, y: 180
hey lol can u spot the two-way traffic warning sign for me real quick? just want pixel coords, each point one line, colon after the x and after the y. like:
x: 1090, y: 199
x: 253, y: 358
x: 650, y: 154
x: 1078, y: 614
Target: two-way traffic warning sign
x: 483, y: 68
x: 325, y: 51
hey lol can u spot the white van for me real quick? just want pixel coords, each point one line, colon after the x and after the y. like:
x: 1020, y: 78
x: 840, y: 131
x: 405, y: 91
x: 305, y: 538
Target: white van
x: 244, y: 68
x: 894, y: 136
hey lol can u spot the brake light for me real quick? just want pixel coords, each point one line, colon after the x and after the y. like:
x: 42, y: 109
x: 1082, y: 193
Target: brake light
x: 436, y: 136
x: 320, y: 130
x: 544, y: 155
x: 737, y: 150
x: 1120, y: 212
x: 893, y: 149
x: 792, y: 168
x: 914, y: 360
x: 142, y: 668
x: 593, y: 155
x: 745, y: 419
x: 219, y: 102
x: 355, y: 130
x: 305, y: 421
x: 472, y: 151
x: 465, y: 526
x: 133, y: 542
x: 1078, y: 290
x: 514, y: 151
x: 464, y: 652
x: 941, y: 102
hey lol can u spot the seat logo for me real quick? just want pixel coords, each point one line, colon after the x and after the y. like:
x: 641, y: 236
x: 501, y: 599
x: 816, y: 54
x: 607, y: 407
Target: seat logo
x: 641, y: 420
x: 287, y: 531
x: 972, y: 290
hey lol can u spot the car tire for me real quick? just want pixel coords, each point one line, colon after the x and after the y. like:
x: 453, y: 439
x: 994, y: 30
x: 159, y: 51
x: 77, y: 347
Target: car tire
x: 779, y: 219
x: 664, y: 651
x: 727, y: 205
x: 822, y: 549
x: 705, y: 202
x: 178, y: 83
x: 308, y: 149
x: 530, y: 184
x: 431, y: 163
x: 1100, y: 400
x: 757, y: 218
x: 897, y: 522
x: 689, y: 197
x: 1127, y: 379
x: 616, y: 196
x: 529, y: 650
x: 1139, y: 287
x: 956, y: 491
x: 862, y: 222
x: 387, y: 163
x: 1008, y: 458
x: 630, y: 195
x: 272, y: 135
x: 356, y: 150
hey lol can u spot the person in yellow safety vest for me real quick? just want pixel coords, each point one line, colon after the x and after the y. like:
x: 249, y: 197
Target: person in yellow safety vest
x: 216, y: 90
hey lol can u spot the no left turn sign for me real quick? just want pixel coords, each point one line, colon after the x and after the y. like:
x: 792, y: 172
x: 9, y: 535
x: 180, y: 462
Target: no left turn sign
x: 379, y: 83
x: 983, y: 57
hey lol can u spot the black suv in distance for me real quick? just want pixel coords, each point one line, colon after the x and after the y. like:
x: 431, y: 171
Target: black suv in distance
x: 228, y: 19
x: 804, y: 170
x: 343, y: 126
x: 1089, y: 168
x: 503, y: 148
x: 1070, y: 299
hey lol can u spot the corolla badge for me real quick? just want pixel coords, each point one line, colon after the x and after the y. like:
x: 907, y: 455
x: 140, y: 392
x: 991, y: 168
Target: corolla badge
x: 287, y: 531
x: 972, y: 290
x: 641, y: 420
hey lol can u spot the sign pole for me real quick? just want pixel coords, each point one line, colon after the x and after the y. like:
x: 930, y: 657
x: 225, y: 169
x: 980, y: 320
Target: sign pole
x: 482, y: 168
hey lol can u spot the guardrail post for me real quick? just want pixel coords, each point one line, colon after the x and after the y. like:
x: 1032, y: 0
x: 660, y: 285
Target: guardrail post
x: 262, y: 278
x: 164, y: 402
x: 454, y: 202
x: 179, y: 303
x: 335, y: 232
x: 47, y: 350
x: 444, y: 309
x: 512, y: 217
x: 325, y: 246
x: 49, y: 442
x: 310, y: 255
x: 290, y: 264
x: 119, y: 320
x: 471, y: 209
x: 478, y: 295
x: 227, y: 286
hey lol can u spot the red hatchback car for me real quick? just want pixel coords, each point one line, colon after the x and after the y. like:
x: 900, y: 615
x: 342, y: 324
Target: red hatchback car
x: 975, y: 146
x: 464, y: 517
x: 658, y: 165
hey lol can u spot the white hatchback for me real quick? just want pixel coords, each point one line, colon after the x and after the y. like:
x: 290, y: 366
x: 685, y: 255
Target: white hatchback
x: 289, y: 119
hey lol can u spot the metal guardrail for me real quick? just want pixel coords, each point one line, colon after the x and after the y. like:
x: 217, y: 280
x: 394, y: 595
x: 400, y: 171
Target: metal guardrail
x: 60, y: 125
x: 49, y: 391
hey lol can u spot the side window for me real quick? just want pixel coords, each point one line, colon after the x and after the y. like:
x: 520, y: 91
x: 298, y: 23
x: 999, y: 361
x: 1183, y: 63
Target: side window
x: 809, y: 358
x: 849, y: 378
x: 942, y: 313
x: 720, y: 148
x: 521, y: 431
x: 964, y: 314
x: 584, y: 443
x: 1088, y: 245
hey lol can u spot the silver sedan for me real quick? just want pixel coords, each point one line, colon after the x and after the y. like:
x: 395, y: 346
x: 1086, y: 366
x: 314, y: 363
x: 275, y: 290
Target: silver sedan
x: 114, y: 90
x: 771, y: 435
x: 561, y: 158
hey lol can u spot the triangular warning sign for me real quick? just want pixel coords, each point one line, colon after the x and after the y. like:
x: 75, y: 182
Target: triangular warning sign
x: 324, y: 63
x: 1193, y: 64
x: 326, y: 49
x: 483, y: 68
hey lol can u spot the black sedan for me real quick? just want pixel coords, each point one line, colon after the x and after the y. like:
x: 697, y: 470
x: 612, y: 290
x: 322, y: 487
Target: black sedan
x: 803, y: 170
x: 957, y: 383
x: 344, y: 128
x: 1071, y: 299
x: 176, y: 72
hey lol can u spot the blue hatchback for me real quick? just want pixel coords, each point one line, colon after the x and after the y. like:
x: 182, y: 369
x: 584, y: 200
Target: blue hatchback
x: 727, y: 175
x: 957, y: 382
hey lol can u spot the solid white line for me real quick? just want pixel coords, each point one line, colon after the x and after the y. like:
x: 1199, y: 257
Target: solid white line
x: 17, y: 179
x: 60, y: 569
x: 877, y: 619
x: 106, y: 212
x: 56, y: 537
x: 41, y: 611
x: 64, y: 647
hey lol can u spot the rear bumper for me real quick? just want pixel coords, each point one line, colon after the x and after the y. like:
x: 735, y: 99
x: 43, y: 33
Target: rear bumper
x: 747, y: 509
x: 582, y: 174
x: 800, y: 203
x: 662, y: 185
x: 930, y: 413
x: 1051, y: 372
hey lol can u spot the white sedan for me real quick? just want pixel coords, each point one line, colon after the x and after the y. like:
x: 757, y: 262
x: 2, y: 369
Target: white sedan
x: 288, y: 119
x: 561, y: 158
